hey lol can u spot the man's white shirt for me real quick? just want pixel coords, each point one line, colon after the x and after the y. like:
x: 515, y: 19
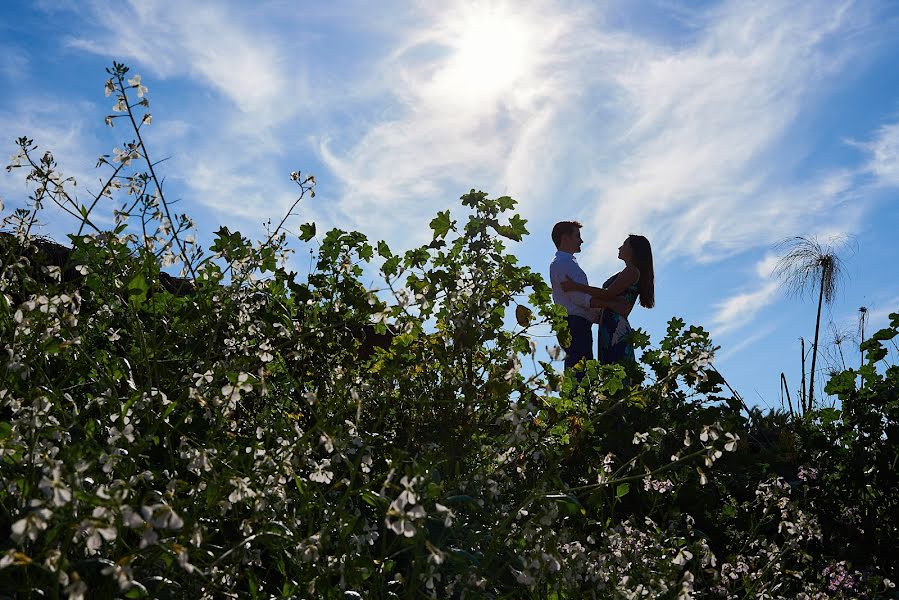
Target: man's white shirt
x: 564, y: 265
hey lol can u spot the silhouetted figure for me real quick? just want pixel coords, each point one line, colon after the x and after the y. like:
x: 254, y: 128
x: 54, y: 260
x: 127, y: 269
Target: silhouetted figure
x: 617, y: 297
x: 566, y: 235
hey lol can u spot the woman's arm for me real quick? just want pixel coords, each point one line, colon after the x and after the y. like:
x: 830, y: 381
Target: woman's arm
x: 625, y: 279
x: 622, y: 307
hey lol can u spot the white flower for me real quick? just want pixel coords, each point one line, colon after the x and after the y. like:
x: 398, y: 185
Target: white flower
x: 320, y: 472
x: 161, y: 516
x: 76, y: 589
x: 97, y: 529
x: 242, y: 490
x: 403, y: 521
x: 682, y: 557
x: 449, y: 514
x: 55, y: 488
x: 125, y: 156
x: 30, y: 526
x: 110, y: 88
x: 711, y: 456
x: 148, y: 118
x: 123, y: 575
x: 640, y: 438
x: 702, y: 478
x: 731, y: 444
x: 135, y: 83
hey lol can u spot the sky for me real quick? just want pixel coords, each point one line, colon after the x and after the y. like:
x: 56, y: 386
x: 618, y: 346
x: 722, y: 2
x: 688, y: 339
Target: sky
x: 716, y: 129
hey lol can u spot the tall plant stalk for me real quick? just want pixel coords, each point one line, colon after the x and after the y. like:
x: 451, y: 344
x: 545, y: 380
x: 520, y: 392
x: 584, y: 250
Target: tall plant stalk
x: 806, y: 265
x: 862, y: 319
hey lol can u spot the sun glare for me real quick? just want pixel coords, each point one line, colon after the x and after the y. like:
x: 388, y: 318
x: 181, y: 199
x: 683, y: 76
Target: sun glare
x: 492, y: 51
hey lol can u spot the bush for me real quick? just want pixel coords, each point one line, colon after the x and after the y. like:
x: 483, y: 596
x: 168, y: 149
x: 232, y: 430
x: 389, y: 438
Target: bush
x: 248, y: 434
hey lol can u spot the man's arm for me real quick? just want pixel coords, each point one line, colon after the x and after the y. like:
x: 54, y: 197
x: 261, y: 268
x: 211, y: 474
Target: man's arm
x: 559, y: 272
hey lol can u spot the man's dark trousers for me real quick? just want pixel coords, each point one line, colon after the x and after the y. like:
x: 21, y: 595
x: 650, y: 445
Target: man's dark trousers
x: 581, y: 342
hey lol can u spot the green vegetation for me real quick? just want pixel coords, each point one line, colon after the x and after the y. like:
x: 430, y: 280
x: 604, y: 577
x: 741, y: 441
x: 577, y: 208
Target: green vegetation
x: 250, y: 434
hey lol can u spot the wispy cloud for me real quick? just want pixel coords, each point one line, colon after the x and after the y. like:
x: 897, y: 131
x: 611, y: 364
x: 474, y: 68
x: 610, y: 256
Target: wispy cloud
x: 200, y: 39
x: 884, y: 151
x: 740, y: 309
x: 476, y: 90
x: 248, y: 91
x: 681, y: 139
x: 702, y: 168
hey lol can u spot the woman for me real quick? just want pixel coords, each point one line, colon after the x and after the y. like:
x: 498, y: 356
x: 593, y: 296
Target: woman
x: 617, y: 297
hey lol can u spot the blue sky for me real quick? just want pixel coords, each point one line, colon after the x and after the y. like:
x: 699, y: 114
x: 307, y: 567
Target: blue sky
x: 713, y: 128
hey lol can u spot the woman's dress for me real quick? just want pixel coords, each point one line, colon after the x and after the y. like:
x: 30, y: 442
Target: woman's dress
x: 614, y: 343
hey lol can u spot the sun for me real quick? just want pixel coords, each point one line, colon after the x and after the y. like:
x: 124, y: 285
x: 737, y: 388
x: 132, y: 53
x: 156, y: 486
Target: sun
x: 492, y: 50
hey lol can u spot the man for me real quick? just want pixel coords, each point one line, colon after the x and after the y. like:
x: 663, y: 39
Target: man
x: 566, y: 236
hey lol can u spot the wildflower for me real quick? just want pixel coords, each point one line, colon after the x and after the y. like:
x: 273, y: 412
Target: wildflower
x: 702, y: 477
x: 97, y: 529
x: 402, y: 522
x: 161, y: 516
x: 76, y: 589
x: 232, y: 392
x: 135, y: 83
x: 125, y: 156
x: 147, y: 119
x: 449, y: 514
x: 709, y: 432
x: 711, y: 456
x: 109, y: 88
x: 55, y: 488
x: 320, y: 473
x: 683, y: 556
x: 731, y: 444
x: 30, y: 526
x: 122, y: 574
x: 242, y: 490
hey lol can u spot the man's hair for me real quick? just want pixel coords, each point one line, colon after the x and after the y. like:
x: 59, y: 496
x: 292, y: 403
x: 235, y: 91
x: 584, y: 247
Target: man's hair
x: 564, y: 228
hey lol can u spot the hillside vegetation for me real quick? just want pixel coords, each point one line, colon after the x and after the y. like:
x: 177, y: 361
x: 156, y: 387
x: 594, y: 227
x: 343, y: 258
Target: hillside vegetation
x: 236, y: 436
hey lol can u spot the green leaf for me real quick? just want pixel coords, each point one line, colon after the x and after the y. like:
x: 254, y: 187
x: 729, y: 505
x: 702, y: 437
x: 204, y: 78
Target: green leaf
x: 137, y: 289
x: 391, y: 265
x: 441, y: 224
x: 374, y: 499
x: 571, y: 504
x: 622, y: 490
x: 307, y: 231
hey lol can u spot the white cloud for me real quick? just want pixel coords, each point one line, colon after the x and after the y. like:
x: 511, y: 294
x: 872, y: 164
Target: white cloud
x: 61, y: 128
x: 702, y: 168
x: 682, y: 140
x: 476, y: 93
x: 884, y: 150
x: 740, y: 309
x: 199, y: 39
x: 226, y: 152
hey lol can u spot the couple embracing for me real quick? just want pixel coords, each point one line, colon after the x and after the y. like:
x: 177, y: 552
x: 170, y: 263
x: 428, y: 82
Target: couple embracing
x: 609, y: 305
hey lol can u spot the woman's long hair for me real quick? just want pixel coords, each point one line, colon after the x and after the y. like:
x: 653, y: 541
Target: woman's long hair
x: 643, y: 261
